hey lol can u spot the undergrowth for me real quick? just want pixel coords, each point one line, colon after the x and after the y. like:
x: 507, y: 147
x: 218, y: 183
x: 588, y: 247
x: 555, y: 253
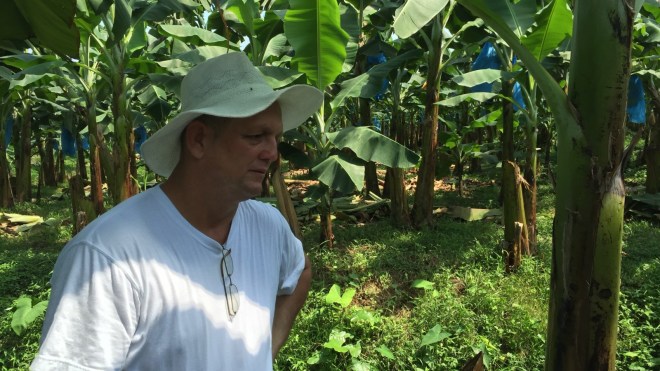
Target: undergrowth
x: 394, y: 299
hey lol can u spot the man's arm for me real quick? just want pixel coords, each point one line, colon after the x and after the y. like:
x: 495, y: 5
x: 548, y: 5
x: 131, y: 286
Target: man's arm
x: 288, y: 306
x: 91, y: 316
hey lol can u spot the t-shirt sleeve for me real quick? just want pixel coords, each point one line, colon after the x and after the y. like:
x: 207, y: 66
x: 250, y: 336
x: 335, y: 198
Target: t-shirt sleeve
x: 292, y: 262
x: 91, y: 315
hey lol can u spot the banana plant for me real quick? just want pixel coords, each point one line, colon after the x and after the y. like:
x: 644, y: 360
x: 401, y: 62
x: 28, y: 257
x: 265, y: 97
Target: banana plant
x: 410, y: 19
x: 321, y: 54
x: 266, y: 42
x: 21, y: 90
x: 51, y: 22
x: 118, y: 29
x: 588, y: 226
x: 541, y: 32
x: 645, y: 65
x: 6, y: 118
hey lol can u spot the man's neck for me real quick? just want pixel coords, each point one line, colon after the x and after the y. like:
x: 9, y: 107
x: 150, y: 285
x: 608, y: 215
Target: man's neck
x: 208, y: 212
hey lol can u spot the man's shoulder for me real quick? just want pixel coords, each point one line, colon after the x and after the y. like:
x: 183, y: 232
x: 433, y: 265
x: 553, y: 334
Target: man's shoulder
x: 261, y: 208
x: 123, y: 221
x: 262, y: 213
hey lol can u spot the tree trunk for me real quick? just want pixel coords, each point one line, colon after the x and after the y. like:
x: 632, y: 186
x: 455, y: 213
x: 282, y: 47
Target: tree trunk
x: 515, y: 233
x: 42, y: 155
x: 371, y: 180
x: 60, y: 168
x: 370, y: 174
x: 588, y: 225
x: 325, y: 213
x: 652, y: 152
x: 82, y: 169
x: 399, y: 210
x: 120, y: 183
x: 23, y: 158
x: 6, y: 195
x: 475, y: 162
x: 82, y: 210
x: 422, y: 211
x: 284, y: 202
x: 529, y: 189
x: 459, y: 171
x: 48, y: 163
x: 95, y: 146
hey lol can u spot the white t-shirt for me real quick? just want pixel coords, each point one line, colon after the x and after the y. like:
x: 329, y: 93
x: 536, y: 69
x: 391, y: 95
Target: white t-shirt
x: 141, y: 289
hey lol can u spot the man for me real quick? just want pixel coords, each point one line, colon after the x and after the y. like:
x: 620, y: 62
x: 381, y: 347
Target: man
x: 192, y: 274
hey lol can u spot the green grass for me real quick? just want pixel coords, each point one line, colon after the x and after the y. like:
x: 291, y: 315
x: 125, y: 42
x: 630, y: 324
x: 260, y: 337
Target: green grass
x: 26, y: 263
x: 462, y: 293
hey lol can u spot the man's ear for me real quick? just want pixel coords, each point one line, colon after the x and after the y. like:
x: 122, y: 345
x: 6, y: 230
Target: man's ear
x: 195, y: 138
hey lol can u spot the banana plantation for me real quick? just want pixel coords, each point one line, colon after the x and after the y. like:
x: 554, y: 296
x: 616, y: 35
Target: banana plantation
x: 479, y: 190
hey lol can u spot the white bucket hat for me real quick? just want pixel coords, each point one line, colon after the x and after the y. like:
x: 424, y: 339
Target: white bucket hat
x: 226, y: 86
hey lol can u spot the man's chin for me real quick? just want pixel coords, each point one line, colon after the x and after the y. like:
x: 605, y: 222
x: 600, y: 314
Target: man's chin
x: 252, y: 191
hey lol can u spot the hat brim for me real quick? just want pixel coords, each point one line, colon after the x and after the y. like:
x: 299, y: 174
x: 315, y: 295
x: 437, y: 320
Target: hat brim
x: 162, y: 150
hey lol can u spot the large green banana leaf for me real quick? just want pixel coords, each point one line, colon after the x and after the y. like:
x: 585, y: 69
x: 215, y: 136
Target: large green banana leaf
x: 486, y: 75
x: 32, y: 69
x: 128, y: 12
x: 51, y: 21
x: 552, y: 92
x: 190, y: 34
x: 370, y: 145
x: 279, y: 77
x: 193, y: 57
x: 369, y: 83
x: 319, y: 42
x: 159, y: 10
x: 455, y: 101
x: 414, y: 14
x: 553, y: 25
x: 276, y: 47
x: 351, y: 24
x: 340, y: 173
x: 245, y: 12
x: 519, y: 16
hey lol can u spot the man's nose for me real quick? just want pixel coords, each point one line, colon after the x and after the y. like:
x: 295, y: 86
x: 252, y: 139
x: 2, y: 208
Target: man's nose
x: 270, y: 151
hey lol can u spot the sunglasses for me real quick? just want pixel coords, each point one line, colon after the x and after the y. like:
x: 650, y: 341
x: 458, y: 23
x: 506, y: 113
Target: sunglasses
x: 231, y: 291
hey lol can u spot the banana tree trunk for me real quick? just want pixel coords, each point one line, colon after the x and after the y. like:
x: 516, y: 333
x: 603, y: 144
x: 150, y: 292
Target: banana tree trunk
x: 80, y: 152
x: 515, y: 233
x: 399, y: 210
x: 529, y: 190
x: 422, y: 211
x: 60, y: 168
x: 325, y: 213
x: 284, y: 202
x: 370, y: 174
x: 24, y: 157
x: 6, y: 192
x: 95, y: 145
x: 6, y: 195
x: 475, y: 162
x: 652, y: 152
x: 42, y: 155
x: 82, y: 209
x: 48, y: 163
x: 120, y: 183
x: 588, y: 225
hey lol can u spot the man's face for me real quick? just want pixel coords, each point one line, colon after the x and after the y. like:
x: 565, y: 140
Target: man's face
x: 242, y: 150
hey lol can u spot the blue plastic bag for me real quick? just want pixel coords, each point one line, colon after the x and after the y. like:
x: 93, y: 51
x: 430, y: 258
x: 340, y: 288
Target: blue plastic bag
x: 68, y: 143
x: 140, y: 136
x: 636, y: 101
x: 9, y: 130
x: 487, y: 58
x: 518, y: 97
